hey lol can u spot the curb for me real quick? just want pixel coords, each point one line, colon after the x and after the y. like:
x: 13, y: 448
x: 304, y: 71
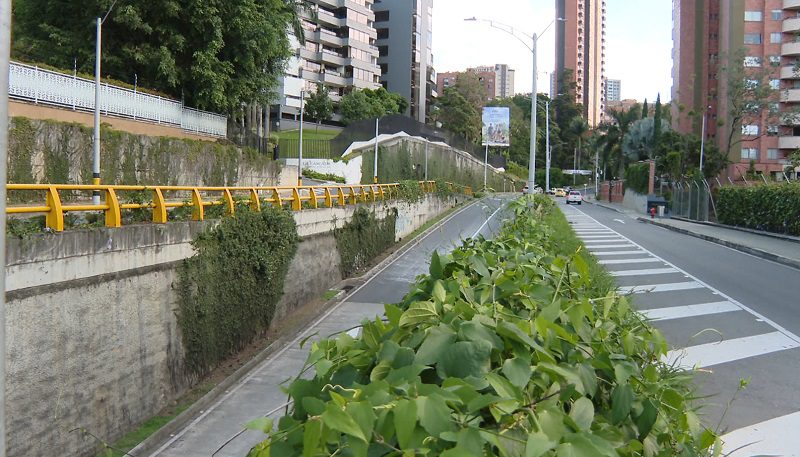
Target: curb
x: 739, y: 247
x: 603, y: 205
x: 779, y: 236
x: 162, y: 435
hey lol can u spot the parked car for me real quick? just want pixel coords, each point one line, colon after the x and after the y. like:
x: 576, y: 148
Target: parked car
x: 574, y: 197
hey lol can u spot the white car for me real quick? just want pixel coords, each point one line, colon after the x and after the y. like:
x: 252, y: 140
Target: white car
x: 574, y: 197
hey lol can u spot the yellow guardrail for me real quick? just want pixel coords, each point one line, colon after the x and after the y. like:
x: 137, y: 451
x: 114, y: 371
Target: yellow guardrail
x: 200, y: 197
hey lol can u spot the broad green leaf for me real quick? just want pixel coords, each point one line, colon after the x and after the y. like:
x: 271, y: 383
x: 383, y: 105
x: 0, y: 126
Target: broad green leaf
x: 393, y: 314
x: 338, y: 420
x: 582, y: 413
x: 380, y: 371
x: 405, y: 421
x: 436, y: 266
x: 479, y: 266
x: 621, y: 400
x: 313, y: 406
x: 646, y: 420
x: 363, y: 415
x: 476, y: 331
x: 434, y: 415
x: 465, y: 358
x: 470, y: 440
x: 538, y: 443
x: 628, y: 343
x: 322, y: 367
x: 263, y: 424
x: 518, y: 371
x: 312, y: 432
x: 437, y: 341
x: 418, y: 313
x: 439, y: 294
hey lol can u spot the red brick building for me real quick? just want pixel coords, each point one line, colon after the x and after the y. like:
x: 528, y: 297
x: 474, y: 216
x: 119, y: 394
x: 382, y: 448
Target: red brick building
x: 705, y: 32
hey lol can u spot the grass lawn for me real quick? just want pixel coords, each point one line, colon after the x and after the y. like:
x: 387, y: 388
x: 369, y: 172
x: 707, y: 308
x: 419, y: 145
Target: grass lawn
x: 309, y: 133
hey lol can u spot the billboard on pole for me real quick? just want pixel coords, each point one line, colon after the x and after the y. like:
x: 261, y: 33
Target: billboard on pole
x: 496, y: 122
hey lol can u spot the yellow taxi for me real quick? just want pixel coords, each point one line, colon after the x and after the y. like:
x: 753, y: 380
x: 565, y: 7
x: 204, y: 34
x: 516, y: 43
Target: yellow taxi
x: 559, y: 192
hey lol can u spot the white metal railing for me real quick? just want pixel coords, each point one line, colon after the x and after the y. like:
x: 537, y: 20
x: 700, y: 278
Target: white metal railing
x: 47, y: 87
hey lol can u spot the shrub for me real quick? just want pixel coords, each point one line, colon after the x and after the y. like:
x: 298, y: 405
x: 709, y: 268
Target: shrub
x: 507, y: 347
x: 770, y: 207
x: 637, y: 177
x: 364, y: 238
x: 228, y: 290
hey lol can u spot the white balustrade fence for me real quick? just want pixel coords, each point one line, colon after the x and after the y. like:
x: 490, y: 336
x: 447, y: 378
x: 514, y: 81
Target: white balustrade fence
x: 51, y: 88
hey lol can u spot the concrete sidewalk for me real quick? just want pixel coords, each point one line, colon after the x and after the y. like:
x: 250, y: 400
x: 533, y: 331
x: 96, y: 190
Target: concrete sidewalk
x: 777, y: 248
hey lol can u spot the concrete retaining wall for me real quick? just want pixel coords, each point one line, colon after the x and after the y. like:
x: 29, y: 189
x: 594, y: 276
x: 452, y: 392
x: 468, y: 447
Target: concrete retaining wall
x: 93, y: 341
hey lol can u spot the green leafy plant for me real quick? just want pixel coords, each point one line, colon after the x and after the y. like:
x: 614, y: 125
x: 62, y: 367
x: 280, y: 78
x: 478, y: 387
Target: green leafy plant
x: 363, y: 238
x: 773, y: 207
x: 227, y: 291
x: 637, y: 177
x: 308, y: 173
x: 508, y: 347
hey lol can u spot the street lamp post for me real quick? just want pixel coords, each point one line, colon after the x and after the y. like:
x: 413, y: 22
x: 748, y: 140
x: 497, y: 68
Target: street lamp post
x: 703, y: 140
x: 532, y: 47
x: 96, y: 146
x: 426, y: 159
x: 375, y: 174
x: 547, y: 146
x: 300, y: 147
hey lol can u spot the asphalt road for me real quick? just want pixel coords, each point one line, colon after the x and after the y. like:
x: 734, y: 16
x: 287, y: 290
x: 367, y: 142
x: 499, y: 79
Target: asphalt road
x: 733, y: 316
x: 219, y: 430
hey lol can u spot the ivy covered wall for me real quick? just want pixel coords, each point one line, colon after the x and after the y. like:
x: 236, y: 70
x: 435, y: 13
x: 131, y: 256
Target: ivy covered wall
x: 59, y: 152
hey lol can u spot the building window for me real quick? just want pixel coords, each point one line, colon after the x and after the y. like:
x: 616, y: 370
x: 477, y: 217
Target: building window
x: 775, y: 60
x: 384, y: 68
x: 775, y: 83
x: 383, y: 34
x: 383, y: 51
x: 752, y: 38
x: 750, y: 61
x: 777, y: 15
x: 750, y: 153
x: 775, y: 37
x: 772, y: 154
x: 381, y: 16
x: 749, y: 129
x: 752, y: 16
x: 772, y: 130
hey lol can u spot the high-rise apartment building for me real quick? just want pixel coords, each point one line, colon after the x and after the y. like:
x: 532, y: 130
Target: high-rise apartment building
x: 339, y: 52
x: 504, y: 78
x: 580, y: 47
x: 405, y: 35
x: 705, y: 36
x: 613, y: 90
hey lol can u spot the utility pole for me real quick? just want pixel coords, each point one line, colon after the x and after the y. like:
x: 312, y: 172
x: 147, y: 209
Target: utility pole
x: 96, y: 145
x: 300, y: 148
x: 547, y: 146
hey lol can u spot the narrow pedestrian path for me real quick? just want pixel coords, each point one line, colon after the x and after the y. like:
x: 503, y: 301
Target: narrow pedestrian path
x: 219, y: 430
x: 709, y: 331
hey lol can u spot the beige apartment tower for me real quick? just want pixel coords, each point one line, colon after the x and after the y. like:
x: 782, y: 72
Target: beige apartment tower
x: 580, y: 47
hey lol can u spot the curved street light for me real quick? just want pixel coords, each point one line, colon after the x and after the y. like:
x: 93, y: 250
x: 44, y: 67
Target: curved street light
x: 532, y: 48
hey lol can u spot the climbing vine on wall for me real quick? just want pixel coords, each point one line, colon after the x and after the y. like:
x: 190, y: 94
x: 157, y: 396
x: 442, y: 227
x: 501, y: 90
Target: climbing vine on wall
x: 364, y: 238
x: 229, y: 289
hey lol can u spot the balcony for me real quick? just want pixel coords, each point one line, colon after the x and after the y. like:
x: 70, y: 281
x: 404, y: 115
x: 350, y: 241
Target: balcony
x: 789, y: 72
x: 326, y: 17
x: 328, y: 37
x: 333, y: 58
x: 791, y: 25
x: 334, y: 79
x: 790, y: 49
x: 791, y: 4
x: 790, y: 95
x: 789, y: 142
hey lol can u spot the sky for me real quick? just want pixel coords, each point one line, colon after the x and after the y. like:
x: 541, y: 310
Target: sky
x: 638, y: 41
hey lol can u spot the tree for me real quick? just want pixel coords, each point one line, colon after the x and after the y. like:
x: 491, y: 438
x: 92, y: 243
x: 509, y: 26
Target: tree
x: 459, y: 116
x: 751, y: 101
x: 319, y: 105
x: 645, y: 109
x: 638, y: 142
x: 657, y: 123
x: 369, y: 104
x: 189, y: 49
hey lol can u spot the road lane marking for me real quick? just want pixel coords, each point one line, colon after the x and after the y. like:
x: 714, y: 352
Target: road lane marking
x: 757, y: 315
x: 679, y: 312
x: 622, y: 261
x: 765, y: 438
x: 669, y: 287
x: 588, y: 242
x: 602, y: 253
x: 600, y: 237
x: 619, y: 220
x: 648, y: 271
x: 593, y: 247
x: 710, y: 354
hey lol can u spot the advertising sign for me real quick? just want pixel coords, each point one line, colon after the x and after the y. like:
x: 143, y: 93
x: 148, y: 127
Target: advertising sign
x: 496, y: 121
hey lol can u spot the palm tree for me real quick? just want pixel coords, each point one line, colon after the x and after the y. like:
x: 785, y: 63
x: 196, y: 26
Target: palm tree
x: 613, y: 133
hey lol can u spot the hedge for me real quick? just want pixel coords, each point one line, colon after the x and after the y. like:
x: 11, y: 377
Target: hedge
x: 637, y: 177
x: 505, y: 348
x: 770, y: 207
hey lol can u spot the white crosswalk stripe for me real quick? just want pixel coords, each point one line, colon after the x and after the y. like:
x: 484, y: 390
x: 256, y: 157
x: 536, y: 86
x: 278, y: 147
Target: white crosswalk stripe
x: 768, y: 437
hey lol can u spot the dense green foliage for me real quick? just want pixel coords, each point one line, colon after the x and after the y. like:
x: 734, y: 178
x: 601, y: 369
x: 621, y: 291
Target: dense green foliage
x: 773, y: 207
x: 515, y: 346
x: 212, y: 55
x: 637, y: 177
x: 318, y: 105
x: 459, y: 116
x: 363, y: 238
x: 227, y: 291
x: 309, y: 173
x: 370, y: 104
